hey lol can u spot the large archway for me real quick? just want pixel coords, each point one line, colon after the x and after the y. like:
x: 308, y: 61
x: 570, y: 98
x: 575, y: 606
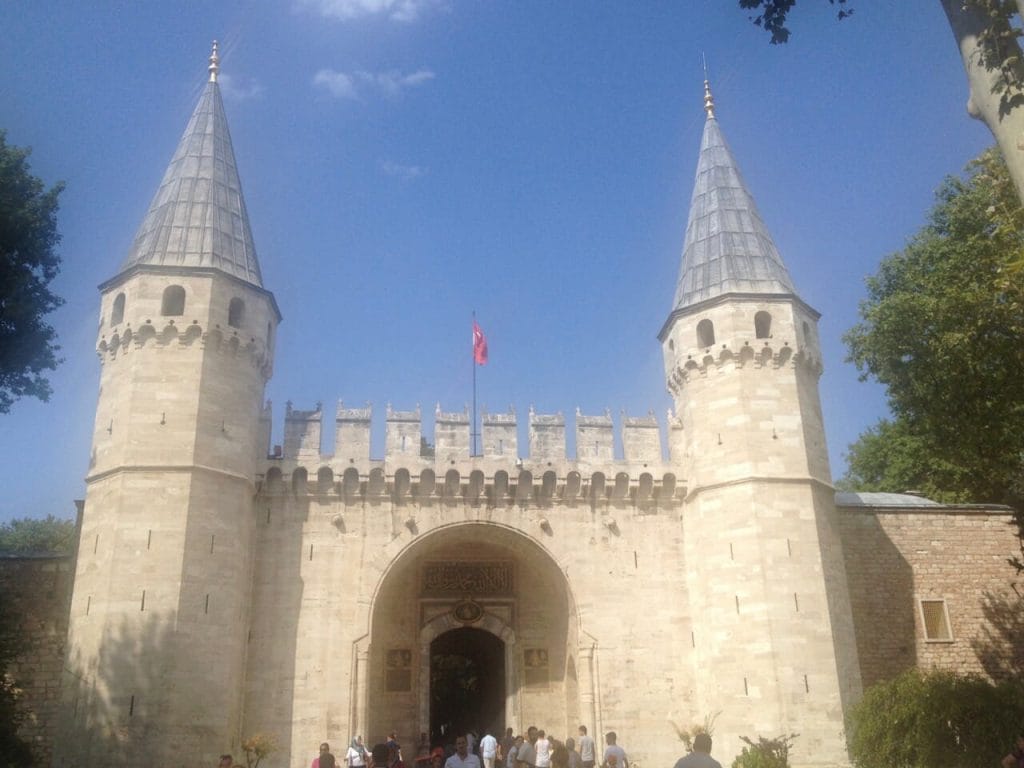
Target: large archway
x: 484, y: 599
x: 467, y: 684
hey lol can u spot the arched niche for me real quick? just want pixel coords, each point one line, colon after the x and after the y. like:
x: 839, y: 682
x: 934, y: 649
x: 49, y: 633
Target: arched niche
x: 172, y: 303
x: 705, y: 333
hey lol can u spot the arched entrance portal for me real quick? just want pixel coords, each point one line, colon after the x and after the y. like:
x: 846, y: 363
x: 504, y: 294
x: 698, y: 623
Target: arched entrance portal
x: 470, y: 612
x: 467, y: 684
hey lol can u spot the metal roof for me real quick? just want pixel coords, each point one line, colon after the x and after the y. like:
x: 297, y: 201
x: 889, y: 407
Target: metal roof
x: 727, y: 248
x: 874, y: 499
x: 198, y: 217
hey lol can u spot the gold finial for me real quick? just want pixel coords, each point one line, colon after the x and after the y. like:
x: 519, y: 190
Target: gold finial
x: 709, y: 101
x: 214, y: 63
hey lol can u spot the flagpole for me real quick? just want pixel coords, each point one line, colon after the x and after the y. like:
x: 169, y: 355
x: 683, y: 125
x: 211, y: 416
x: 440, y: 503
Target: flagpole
x: 472, y: 361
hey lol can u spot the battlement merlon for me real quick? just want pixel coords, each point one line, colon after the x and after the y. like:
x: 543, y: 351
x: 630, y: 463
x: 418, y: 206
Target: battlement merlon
x: 352, y: 433
x: 641, y: 438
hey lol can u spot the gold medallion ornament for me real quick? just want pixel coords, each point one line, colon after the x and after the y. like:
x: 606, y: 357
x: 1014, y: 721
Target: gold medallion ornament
x: 467, y: 611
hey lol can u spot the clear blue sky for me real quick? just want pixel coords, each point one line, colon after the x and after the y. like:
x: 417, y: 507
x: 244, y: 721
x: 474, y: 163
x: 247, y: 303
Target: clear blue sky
x: 408, y: 161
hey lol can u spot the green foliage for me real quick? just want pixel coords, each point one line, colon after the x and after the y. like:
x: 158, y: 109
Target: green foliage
x: 26, y: 535
x: 890, y: 457
x: 999, y: 50
x: 28, y: 263
x: 765, y: 753
x: 998, y: 43
x: 943, y: 330
x: 772, y: 15
x: 935, y: 720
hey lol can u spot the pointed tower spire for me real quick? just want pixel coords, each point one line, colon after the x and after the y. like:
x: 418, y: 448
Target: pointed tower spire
x: 727, y: 249
x: 198, y: 216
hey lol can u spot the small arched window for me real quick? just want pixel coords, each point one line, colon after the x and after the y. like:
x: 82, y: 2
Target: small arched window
x: 117, y: 311
x: 705, y: 333
x: 763, y: 325
x: 807, y: 333
x: 173, y: 304
x: 236, y: 313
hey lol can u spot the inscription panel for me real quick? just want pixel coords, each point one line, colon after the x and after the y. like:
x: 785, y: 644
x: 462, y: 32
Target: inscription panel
x: 462, y: 578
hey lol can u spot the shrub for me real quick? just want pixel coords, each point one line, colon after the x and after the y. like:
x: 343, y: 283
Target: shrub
x: 765, y: 753
x: 936, y: 719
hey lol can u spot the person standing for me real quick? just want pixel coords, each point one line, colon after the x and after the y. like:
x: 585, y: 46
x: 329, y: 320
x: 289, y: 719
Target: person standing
x: 356, y: 755
x: 614, y: 750
x: 574, y: 756
x: 325, y: 759
x: 462, y: 758
x: 488, y: 750
x: 542, y: 750
x: 506, y: 749
x: 701, y: 755
x: 588, y: 750
x: 526, y: 757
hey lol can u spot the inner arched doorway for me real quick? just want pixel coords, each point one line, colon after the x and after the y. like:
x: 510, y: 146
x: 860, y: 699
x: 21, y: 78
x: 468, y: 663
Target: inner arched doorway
x: 437, y: 599
x: 467, y: 684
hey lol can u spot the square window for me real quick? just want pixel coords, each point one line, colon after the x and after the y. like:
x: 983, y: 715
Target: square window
x: 935, y: 618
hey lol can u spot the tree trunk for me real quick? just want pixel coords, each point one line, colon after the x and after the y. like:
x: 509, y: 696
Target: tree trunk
x: 1008, y: 130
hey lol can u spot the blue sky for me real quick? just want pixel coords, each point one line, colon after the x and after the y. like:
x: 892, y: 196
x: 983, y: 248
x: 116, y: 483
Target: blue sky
x: 405, y: 162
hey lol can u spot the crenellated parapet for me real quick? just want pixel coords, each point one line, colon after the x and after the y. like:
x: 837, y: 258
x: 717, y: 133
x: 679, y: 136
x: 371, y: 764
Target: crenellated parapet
x: 768, y: 356
x: 413, y: 471
x: 124, y: 340
x: 640, y: 438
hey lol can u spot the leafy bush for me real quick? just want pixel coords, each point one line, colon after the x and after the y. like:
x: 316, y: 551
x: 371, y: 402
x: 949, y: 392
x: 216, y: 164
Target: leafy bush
x: 765, y: 753
x: 27, y: 535
x: 935, y: 719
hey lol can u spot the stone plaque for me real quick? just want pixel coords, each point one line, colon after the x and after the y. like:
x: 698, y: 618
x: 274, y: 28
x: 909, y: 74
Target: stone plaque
x: 462, y: 579
x: 535, y: 667
x: 398, y: 675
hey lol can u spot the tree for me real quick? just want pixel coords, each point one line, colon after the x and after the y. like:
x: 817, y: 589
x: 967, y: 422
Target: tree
x: 936, y: 719
x: 943, y: 329
x: 28, y: 263
x: 986, y: 35
x: 890, y: 457
x: 25, y: 535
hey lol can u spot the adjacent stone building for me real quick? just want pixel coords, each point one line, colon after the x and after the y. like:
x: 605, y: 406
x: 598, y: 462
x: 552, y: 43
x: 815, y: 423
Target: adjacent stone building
x: 223, y: 589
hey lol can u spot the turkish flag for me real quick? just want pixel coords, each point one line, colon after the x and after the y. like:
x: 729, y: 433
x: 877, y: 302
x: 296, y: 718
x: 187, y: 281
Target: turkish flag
x: 479, y: 345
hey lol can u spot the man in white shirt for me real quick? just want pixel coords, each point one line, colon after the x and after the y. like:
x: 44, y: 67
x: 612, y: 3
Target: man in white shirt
x: 488, y: 750
x: 462, y: 757
x: 542, y: 750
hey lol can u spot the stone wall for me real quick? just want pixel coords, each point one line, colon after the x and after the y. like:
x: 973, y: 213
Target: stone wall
x: 38, y: 589
x: 897, y: 558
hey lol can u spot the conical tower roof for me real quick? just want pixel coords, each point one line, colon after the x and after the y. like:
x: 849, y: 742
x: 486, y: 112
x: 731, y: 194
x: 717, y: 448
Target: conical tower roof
x: 198, y: 217
x: 727, y: 249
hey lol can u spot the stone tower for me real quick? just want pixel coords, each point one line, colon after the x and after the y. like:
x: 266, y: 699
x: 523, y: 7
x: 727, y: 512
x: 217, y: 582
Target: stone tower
x: 772, y: 626
x: 157, y: 638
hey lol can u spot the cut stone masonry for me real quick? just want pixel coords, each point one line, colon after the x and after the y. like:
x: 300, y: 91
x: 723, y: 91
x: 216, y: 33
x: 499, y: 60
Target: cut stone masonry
x: 641, y: 436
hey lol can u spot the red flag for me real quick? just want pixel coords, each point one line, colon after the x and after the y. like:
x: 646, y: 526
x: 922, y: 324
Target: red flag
x: 479, y: 345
